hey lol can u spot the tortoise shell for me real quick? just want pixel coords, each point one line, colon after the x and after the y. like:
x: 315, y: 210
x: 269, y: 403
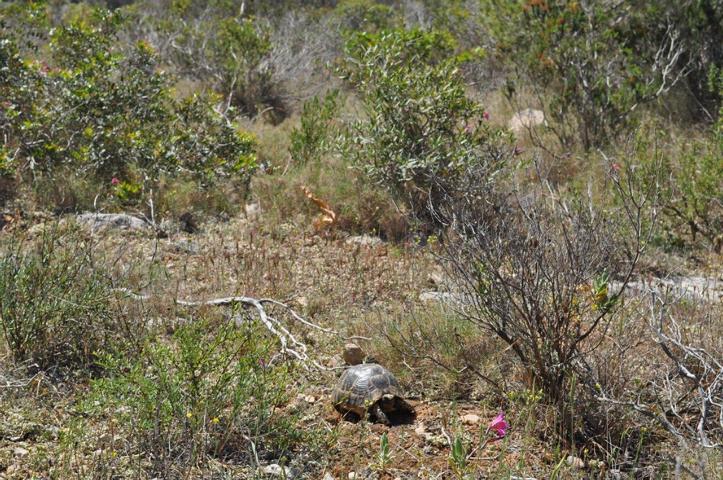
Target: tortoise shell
x: 362, y: 386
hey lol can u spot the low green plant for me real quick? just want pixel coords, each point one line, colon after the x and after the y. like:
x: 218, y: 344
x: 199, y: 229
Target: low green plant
x: 693, y: 193
x: 384, y: 456
x: 55, y: 306
x: 209, y: 391
x: 689, y: 178
x: 458, y: 456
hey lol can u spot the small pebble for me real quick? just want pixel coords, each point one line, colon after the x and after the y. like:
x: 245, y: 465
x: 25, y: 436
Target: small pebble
x: 575, y: 462
x: 20, y: 452
x: 471, y: 419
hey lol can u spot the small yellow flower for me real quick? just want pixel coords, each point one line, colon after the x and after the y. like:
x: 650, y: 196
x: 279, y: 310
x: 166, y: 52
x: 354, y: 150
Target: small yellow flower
x: 189, y: 415
x: 215, y: 420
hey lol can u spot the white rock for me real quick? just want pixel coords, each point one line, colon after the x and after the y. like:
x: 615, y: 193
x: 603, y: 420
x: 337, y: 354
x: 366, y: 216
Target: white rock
x: 278, y: 471
x: 471, y: 419
x: 692, y: 288
x: 253, y: 210
x: 525, y: 119
x: 367, y: 240
x: 112, y: 220
x: 328, y: 476
x: 575, y: 462
x: 437, y: 280
x: 20, y: 452
x: 351, y: 476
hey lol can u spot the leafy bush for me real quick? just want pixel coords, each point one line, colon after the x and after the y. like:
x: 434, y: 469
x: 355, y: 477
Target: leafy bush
x: 55, y: 307
x: 100, y: 111
x: 219, y: 43
x: 420, y: 131
x: 591, y: 64
x: 208, y: 391
x: 690, y: 195
x: 312, y: 137
x: 693, y: 192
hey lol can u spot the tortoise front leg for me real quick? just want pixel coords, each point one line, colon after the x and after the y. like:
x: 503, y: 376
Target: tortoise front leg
x: 376, y: 410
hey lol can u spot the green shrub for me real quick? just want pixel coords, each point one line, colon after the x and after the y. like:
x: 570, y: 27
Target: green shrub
x: 102, y: 111
x: 419, y: 131
x: 591, y: 64
x: 55, y: 307
x: 207, y: 391
x: 312, y: 138
x: 219, y: 44
x: 691, y: 189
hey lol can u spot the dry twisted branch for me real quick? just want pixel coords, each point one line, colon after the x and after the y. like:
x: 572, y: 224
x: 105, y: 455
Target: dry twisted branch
x: 290, y: 345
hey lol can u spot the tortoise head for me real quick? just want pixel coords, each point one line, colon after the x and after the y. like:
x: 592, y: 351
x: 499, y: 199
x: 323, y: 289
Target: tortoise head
x: 388, y: 402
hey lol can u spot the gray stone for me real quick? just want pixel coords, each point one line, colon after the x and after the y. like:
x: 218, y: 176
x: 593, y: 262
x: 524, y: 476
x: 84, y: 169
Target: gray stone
x: 276, y: 470
x: 575, y: 462
x: 252, y: 210
x: 112, y: 221
x: 449, y: 298
x: 366, y: 240
x: 20, y: 452
x: 692, y: 288
x: 186, y: 246
x: 471, y: 419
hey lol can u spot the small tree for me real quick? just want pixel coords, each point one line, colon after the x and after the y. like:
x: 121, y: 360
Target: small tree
x: 103, y: 111
x: 219, y: 43
x: 589, y: 63
x: 420, y: 131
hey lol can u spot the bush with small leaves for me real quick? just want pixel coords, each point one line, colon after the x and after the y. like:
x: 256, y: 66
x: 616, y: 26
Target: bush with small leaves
x: 55, y: 307
x: 209, y: 391
x: 591, y: 64
x: 538, y: 270
x: 314, y: 135
x: 420, y: 131
x: 99, y: 110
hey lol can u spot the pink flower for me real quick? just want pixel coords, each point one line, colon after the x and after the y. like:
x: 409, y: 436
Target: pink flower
x: 615, y: 167
x: 499, y: 425
x: 486, y: 115
x: 114, y: 181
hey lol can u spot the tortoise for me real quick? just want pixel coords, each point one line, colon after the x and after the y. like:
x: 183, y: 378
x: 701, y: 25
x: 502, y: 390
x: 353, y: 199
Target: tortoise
x: 369, y: 389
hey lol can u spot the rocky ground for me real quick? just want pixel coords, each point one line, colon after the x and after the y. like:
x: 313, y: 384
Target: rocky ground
x: 352, y: 287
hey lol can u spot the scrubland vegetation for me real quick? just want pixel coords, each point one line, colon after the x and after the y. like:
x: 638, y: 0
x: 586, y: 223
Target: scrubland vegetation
x: 514, y: 206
